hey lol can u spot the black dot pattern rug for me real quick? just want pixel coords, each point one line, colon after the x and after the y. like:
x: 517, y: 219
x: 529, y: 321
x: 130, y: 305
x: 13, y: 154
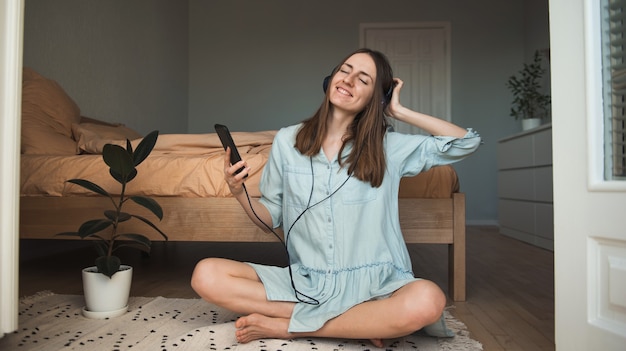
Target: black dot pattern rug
x: 54, y: 322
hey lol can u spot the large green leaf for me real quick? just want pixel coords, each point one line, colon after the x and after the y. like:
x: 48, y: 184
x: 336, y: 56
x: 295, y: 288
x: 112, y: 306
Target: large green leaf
x: 76, y: 234
x: 145, y: 147
x: 134, y: 245
x: 113, y: 216
x: 108, y: 265
x: 129, y: 147
x: 146, y: 221
x: 123, y: 179
x: 131, y: 175
x: 138, y: 238
x: 89, y: 186
x: 93, y: 226
x: 150, y: 204
x: 119, y: 161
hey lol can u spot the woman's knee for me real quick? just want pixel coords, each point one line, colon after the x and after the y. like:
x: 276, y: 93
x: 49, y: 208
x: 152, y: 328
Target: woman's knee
x: 212, y: 276
x: 205, y: 276
x: 424, y: 304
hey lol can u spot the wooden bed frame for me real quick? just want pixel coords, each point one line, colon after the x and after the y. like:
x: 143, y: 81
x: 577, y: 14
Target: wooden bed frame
x: 423, y: 221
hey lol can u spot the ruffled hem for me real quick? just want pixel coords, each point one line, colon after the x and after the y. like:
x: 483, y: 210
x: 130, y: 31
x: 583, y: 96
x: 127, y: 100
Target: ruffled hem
x: 321, y: 296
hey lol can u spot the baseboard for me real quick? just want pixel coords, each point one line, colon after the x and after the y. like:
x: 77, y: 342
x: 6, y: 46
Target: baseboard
x: 482, y: 222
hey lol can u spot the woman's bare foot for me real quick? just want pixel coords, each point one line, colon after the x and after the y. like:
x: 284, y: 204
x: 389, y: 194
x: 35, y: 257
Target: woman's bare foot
x: 257, y: 326
x: 377, y: 342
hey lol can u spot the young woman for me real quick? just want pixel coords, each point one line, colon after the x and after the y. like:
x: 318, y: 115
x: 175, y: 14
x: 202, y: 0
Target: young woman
x: 332, y: 183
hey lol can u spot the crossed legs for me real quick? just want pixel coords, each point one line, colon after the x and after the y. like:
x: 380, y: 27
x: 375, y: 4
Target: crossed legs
x: 236, y: 287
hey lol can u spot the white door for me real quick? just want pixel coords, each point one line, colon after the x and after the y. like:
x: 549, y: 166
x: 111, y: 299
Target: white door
x: 419, y: 55
x: 589, y: 212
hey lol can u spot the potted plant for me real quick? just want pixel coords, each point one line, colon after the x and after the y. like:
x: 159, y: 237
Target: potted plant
x: 529, y: 103
x: 107, y: 284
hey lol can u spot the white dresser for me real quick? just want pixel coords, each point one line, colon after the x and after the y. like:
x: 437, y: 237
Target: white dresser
x: 525, y: 186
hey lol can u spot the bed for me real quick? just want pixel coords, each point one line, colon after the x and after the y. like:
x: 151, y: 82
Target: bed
x: 59, y: 144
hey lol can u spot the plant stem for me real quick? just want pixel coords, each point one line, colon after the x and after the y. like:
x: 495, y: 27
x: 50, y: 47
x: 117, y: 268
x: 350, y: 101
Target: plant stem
x: 118, y: 210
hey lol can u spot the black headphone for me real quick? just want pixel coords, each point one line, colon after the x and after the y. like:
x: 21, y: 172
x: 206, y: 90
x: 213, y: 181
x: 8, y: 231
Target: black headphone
x: 386, y: 98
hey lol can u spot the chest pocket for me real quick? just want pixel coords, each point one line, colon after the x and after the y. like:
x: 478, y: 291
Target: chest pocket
x: 356, y: 192
x: 297, y: 186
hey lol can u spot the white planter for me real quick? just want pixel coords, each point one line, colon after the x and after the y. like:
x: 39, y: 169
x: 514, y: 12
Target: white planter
x: 530, y: 123
x: 106, y: 297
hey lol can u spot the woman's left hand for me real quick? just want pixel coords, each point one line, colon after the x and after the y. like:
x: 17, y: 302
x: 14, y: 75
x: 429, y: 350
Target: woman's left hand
x: 432, y: 125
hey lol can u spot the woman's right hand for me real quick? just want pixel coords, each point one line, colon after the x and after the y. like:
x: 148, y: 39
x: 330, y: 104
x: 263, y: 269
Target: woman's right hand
x: 255, y: 210
x: 234, y: 180
x: 394, y: 104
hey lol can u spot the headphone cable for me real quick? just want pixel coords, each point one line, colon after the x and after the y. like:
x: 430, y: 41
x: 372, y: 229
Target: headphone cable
x: 312, y: 301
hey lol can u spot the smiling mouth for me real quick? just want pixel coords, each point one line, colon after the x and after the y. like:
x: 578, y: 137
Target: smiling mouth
x: 343, y: 91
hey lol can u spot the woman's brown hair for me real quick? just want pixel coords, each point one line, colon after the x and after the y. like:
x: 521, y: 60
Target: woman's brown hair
x: 366, y: 161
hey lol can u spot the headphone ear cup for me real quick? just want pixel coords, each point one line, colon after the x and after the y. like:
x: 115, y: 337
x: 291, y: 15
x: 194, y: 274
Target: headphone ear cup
x: 325, y: 83
x: 389, y: 94
x: 327, y: 79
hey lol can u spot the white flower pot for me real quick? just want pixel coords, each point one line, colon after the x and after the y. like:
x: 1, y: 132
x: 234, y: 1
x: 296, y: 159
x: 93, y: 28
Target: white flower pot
x: 530, y: 123
x: 106, y: 297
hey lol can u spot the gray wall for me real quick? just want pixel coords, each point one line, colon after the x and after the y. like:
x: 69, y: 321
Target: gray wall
x: 182, y: 66
x: 121, y: 61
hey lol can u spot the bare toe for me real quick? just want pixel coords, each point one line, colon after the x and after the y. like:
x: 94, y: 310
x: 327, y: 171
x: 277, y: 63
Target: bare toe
x: 377, y: 342
x: 257, y: 326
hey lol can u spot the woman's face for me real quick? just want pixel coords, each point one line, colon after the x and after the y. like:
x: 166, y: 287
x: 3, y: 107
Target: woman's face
x: 352, y: 87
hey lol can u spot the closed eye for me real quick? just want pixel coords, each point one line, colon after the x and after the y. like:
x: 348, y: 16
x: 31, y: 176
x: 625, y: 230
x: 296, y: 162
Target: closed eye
x: 363, y: 76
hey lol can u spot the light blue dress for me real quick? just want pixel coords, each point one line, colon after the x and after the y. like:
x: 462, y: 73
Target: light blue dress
x: 348, y: 248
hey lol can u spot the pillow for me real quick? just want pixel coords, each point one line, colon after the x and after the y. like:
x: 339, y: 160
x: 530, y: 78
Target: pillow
x: 40, y: 140
x: 91, y: 137
x: 47, y: 116
x: 30, y: 74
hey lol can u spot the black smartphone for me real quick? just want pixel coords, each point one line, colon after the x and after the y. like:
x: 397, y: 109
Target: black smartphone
x: 227, y: 141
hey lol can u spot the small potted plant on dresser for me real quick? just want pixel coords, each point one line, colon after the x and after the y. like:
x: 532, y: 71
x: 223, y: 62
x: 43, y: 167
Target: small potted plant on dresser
x: 107, y: 284
x: 529, y: 103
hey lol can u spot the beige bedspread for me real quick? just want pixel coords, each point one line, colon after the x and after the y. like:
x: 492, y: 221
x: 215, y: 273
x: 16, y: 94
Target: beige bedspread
x: 182, y: 165
x: 185, y: 165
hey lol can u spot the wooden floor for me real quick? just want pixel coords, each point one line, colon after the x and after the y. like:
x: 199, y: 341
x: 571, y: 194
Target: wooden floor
x: 510, y: 284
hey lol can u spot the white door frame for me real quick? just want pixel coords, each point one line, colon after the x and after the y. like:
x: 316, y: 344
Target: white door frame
x: 590, y: 242
x: 11, y: 39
